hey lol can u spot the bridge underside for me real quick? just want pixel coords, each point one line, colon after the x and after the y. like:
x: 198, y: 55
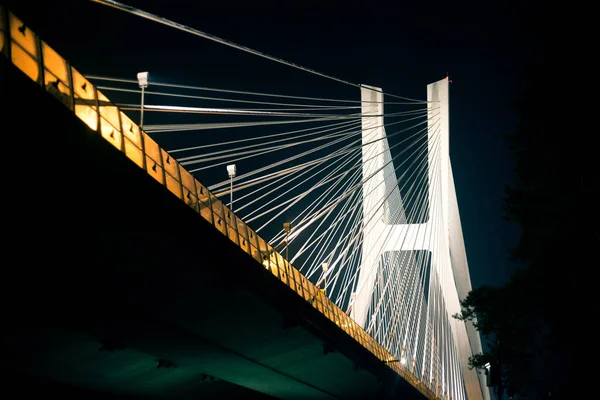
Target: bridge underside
x: 112, y: 284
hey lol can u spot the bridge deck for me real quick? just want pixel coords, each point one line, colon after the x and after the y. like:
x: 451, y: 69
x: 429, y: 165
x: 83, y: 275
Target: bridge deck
x: 225, y: 311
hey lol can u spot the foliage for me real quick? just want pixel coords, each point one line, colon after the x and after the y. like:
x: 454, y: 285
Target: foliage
x: 504, y: 317
x: 534, y: 323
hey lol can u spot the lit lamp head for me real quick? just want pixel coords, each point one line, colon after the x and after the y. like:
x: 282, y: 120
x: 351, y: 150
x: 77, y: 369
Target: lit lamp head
x: 142, y: 79
x: 231, y: 170
x: 325, y: 267
x: 403, y: 358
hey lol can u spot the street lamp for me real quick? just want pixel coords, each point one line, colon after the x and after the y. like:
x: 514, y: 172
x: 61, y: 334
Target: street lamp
x: 351, y: 304
x: 325, y: 267
x: 403, y: 356
x: 287, y: 227
x: 231, y: 172
x: 143, y: 82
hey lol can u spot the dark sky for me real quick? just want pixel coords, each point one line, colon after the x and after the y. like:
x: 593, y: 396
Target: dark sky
x: 398, y: 48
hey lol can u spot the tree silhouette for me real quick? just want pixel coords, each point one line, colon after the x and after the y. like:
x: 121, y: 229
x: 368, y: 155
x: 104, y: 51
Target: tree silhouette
x: 534, y: 324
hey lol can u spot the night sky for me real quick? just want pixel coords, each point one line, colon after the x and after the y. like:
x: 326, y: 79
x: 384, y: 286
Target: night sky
x: 400, y: 49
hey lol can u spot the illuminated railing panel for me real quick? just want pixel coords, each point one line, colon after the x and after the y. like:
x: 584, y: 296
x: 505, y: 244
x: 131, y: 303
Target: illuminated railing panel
x: 91, y: 106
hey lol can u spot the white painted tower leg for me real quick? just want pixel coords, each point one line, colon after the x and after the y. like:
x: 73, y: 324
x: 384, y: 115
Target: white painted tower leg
x: 385, y: 228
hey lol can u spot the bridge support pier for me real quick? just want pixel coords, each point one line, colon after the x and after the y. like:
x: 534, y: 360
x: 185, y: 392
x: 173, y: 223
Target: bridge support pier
x: 386, y: 229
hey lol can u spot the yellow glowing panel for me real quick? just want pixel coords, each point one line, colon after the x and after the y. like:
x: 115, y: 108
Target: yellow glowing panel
x: 101, y: 96
x: 219, y: 221
x: 187, y: 179
x: 54, y: 63
x: 282, y: 263
x: 134, y: 153
x: 22, y: 35
x: 273, y: 267
x: 202, y: 194
x: 131, y: 130
x: 255, y: 253
x: 190, y: 199
x: 82, y: 87
x: 299, y: 288
x: 306, y: 293
x: 57, y: 88
x: 354, y: 328
x: 151, y: 148
x: 229, y: 217
x: 321, y: 295
x: 230, y: 220
x: 154, y: 169
x: 111, y: 114
x: 266, y: 262
x: 318, y: 306
x: 1, y: 39
x: 347, y: 327
x: 173, y: 185
x: 233, y: 236
x: 217, y: 206
x: 261, y: 244
x: 170, y: 164
x: 271, y: 254
x: 201, y: 191
x: 87, y: 114
x: 110, y: 133
x: 282, y: 275
x: 241, y: 227
x: 205, y: 211
x: 252, y: 237
x: 315, y: 299
x: 109, y: 111
x: 244, y: 243
x: 330, y: 312
x: 24, y: 62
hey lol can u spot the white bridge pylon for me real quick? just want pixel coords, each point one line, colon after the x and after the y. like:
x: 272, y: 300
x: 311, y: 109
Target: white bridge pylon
x: 385, y: 229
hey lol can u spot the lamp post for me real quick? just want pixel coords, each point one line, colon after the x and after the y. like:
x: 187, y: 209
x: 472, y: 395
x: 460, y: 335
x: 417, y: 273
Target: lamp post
x: 403, y: 356
x: 231, y: 172
x: 287, y: 227
x: 325, y: 267
x: 351, y: 304
x: 143, y: 82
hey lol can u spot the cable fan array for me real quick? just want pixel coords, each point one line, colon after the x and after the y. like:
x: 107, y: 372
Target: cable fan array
x: 310, y: 176
x: 378, y: 247
x: 409, y: 277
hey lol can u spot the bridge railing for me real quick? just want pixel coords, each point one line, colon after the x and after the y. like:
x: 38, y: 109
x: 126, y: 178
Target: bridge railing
x: 36, y: 59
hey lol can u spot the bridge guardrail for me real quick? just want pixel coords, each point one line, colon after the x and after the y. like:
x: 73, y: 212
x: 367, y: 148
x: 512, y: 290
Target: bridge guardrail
x: 36, y: 59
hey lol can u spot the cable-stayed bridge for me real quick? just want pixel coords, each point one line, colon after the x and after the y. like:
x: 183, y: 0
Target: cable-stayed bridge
x: 375, y: 243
